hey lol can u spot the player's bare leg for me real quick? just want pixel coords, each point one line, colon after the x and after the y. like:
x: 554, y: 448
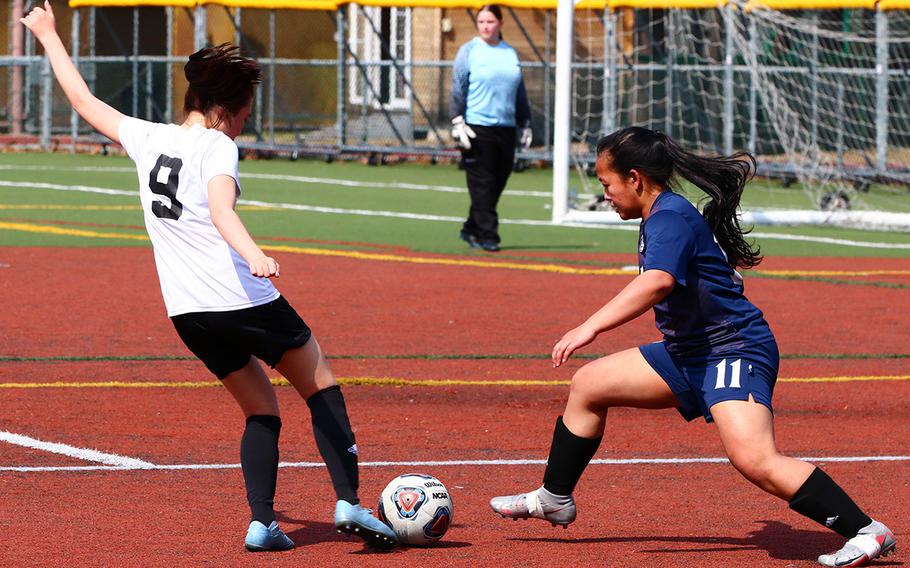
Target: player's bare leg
x: 621, y: 379
x: 747, y: 431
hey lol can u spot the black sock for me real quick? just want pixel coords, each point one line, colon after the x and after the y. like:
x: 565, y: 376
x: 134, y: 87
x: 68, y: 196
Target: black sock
x: 569, y: 456
x: 823, y: 501
x: 335, y: 441
x: 259, y: 462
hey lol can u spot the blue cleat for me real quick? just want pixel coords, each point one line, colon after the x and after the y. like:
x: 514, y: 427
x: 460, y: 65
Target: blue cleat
x: 358, y: 521
x: 260, y: 538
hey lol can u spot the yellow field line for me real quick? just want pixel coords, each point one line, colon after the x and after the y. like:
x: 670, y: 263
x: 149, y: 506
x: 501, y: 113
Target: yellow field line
x: 400, y: 382
x: 29, y: 228
x: 37, y: 207
x: 358, y: 255
x: 845, y: 379
x: 557, y: 268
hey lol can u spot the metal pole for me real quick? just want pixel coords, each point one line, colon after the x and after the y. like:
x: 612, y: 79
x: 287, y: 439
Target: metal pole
x: 813, y: 86
x: 169, y: 70
x: 839, y: 143
x: 341, y: 121
x: 671, y: 47
x: 135, y: 66
x: 200, y: 16
x: 610, y: 70
x: 237, y: 23
x: 28, y: 115
x: 728, y: 78
x: 92, y: 51
x: 565, y: 13
x: 17, y: 49
x: 74, y: 47
x: 753, y: 88
x: 547, y: 78
x: 148, y: 90
x: 881, y: 90
x: 47, y: 86
x: 272, y: 55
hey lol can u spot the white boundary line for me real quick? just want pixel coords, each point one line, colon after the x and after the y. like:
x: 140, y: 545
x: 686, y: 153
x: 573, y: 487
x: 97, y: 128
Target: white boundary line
x: 441, y: 463
x: 74, y: 452
x: 627, y: 226
x: 303, y: 179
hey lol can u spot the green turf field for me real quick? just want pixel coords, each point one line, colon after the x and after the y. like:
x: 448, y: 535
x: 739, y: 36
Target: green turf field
x: 418, y: 206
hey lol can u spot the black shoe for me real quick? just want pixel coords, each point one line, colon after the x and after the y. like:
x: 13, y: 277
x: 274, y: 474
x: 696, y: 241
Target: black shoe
x: 489, y: 246
x: 470, y: 239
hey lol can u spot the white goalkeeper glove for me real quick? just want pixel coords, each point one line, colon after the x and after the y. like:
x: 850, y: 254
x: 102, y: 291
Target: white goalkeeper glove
x: 462, y: 133
x: 525, y: 138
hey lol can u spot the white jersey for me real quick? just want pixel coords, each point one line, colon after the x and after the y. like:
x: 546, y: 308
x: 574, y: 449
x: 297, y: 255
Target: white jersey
x: 198, y: 270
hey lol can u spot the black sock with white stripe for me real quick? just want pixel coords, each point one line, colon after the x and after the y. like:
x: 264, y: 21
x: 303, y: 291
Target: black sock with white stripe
x: 259, y: 462
x: 335, y: 441
x: 823, y: 501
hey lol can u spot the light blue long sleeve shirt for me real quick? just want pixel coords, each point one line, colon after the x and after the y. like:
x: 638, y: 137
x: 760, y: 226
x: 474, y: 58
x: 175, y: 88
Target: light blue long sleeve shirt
x: 487, y: 88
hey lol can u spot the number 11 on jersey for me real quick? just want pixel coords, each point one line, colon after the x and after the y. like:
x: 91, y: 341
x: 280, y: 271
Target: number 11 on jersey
x: 735, y: 367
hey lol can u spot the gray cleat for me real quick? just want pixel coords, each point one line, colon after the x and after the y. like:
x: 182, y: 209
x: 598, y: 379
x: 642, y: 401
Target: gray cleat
x: 871, y: 542
x: 531, y: 506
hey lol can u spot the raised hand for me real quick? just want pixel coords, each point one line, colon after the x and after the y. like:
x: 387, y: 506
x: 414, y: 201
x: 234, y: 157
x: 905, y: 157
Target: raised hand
x: 41, y: 21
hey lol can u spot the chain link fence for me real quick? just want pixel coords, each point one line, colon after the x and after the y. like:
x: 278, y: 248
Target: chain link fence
x: 360, y: 79
x: 373, y: 79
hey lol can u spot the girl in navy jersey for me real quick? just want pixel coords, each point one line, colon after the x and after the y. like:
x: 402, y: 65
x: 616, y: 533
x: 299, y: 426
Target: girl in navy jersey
x: 215, y: 279
x: 718, y: 358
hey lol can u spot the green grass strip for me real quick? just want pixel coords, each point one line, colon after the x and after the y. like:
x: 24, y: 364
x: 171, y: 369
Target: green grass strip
x: 826, y: 280
x: 432, y: 357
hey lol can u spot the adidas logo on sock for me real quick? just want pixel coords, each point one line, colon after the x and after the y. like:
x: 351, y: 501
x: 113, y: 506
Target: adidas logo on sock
x: 831, y: 520
x: 353, y: 450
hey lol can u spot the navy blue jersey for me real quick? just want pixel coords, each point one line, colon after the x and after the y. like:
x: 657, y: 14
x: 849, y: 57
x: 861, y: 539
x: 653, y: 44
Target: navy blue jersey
x: 706, y: 313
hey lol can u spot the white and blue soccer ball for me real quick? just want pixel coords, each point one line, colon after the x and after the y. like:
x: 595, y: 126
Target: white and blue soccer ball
x: 417, y: 507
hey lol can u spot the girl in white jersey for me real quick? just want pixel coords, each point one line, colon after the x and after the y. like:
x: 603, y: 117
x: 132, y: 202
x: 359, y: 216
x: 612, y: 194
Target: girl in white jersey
x: 215, y: 279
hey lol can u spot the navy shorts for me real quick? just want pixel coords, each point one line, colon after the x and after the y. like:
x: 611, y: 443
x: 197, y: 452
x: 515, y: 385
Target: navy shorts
x: 225, y: 341
x: 703, y: 381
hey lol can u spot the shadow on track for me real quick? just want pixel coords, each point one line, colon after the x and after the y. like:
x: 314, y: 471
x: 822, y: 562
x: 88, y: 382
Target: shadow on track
x: 780, y: 540
x: 314, y: 532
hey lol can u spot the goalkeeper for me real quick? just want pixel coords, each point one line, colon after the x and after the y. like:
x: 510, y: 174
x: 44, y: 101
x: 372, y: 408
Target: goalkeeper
x: 488, y: 102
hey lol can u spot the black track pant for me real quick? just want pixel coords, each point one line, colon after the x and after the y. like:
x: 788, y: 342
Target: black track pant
x: 488, y: 164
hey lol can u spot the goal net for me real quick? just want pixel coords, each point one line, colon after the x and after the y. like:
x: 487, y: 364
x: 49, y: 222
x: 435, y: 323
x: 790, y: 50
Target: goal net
x: 820, y: 97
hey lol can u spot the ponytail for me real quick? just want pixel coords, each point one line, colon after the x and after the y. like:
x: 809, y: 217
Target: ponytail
x: 722, y: 178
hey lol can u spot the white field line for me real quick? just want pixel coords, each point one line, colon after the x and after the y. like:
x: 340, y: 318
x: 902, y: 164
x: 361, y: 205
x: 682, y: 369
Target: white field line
x: 304, y: 179
x: 74, y: 452
x: 443, y: 463
x: 629, y: 226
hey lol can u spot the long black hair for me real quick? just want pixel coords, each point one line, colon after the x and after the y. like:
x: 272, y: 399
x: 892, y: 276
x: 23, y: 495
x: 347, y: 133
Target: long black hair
x: 723, y: 178
x: 219, y: 78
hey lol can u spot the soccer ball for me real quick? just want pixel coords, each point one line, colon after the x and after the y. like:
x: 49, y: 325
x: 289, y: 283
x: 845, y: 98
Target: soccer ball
x: 417, y: 507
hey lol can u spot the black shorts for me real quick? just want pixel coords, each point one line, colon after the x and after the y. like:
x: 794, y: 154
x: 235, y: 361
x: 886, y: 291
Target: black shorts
x: 225, y: 341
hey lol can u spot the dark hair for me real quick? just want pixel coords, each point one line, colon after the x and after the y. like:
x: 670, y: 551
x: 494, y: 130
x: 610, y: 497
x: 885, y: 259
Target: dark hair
x: 722, y: 178
x: 493, y: 9
x: 219, y: 77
